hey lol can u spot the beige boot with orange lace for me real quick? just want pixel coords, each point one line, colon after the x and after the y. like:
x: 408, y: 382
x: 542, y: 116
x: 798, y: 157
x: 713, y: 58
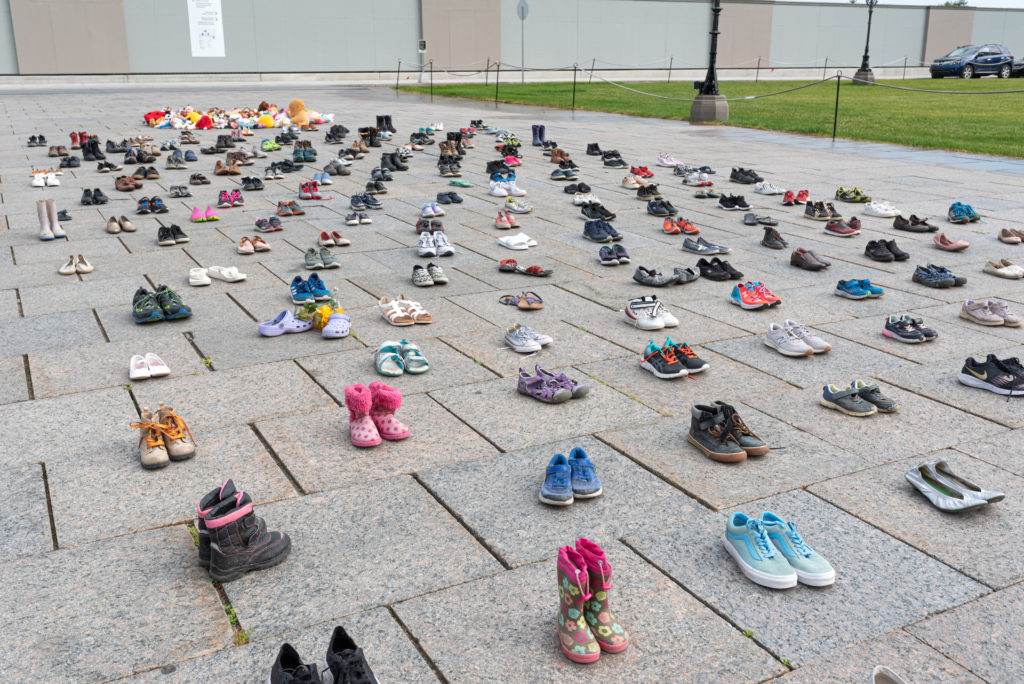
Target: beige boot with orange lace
x: 152, y: 453
x: 177, y: 437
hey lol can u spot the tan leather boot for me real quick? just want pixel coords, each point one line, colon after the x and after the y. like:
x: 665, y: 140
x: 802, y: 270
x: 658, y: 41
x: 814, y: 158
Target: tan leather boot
x: 152, y: 453
x: 177, y: 437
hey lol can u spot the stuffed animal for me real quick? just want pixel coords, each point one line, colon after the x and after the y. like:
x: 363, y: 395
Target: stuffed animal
x: 297, y: 114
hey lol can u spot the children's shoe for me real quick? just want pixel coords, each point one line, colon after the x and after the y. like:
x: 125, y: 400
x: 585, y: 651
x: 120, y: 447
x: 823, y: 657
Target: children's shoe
x: 847, y: 401
x: 585, y: 482
x: 745, y: 296
x: 611, y: 636
x: 152, y: 451
x: 872, y: 290
x: 810, y: 568
x: 301, y: 292
x: 557, y: 488
x: 747, y: 541
x: 210, y: 214
x: 387, y: 400
x: 362, y: 429
x: 345, y: 661
x: 851, y: 289
x: 574, y: 633
x: 317, y: 288
x: 661, y: 362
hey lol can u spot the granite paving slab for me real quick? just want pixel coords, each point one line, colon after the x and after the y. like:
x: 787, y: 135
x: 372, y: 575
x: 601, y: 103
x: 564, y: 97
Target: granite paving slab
x: 999, y: 450
x: 35, y: 333
x: 95, y: 249
x: 517, y: 526
x: 369, y: 325
x: 933, y: 425
x: 663, y: 449
x: 901, y: 652
x: 77, y: 295
x: 951, y: 314
x: 388, y: 650
x: 316, y: 449
x: 89, y: 508
x: 672, y: 636
x: 883, y: 497
x: 183, y: 615
x: 9, y: 303
x: 881, y: 583
x: 243, y: 346
x: 223, y: 398
x: 387, y: 553
x: 13, y: 383
x: 981, y: 635
x: 496, y: 410
x: 24, y: 517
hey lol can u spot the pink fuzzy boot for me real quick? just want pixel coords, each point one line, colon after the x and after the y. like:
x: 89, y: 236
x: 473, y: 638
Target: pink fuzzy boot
x: 361, y: 428
x: 387, y: 400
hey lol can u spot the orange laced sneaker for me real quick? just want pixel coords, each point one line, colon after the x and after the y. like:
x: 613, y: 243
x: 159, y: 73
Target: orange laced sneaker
x: 670, y: 227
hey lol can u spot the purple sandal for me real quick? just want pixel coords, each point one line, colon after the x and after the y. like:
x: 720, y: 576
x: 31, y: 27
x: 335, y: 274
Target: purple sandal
x: 562, y: 380
x: 535, y: 387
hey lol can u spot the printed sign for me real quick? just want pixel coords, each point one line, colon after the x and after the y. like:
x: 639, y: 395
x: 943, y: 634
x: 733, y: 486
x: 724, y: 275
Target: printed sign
x: 206, y: 28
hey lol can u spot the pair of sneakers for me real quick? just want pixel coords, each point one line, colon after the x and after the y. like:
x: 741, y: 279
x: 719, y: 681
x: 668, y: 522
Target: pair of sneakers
x: 859, y: 399
x: 321, y: 258
x: 858, y: 289
x: 431, y: 209
x: 771, y: 552
x: 793, y: 339
x: 344, y: 662
x: 435, y: 244
x: 671, y: 360
x: 600, y: 231
x: 227, y: 199
x: 568, y: 479
x: 364, y: 201
x: 648, y: 313
x: 307, y: 291
x: 428, y: 276
x: 962, y: 213
x: 753, y: 295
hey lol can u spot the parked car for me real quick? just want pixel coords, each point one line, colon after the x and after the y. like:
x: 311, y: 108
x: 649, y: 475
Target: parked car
x: 972, y: 61
x: 1018, y: 68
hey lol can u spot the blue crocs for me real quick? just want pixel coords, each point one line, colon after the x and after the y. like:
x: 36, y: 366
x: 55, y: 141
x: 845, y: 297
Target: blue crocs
x: 810, y: 567
x: 585, y: 482
x: 300, y: 291
x: 317, y: 287
x: 557, y: 488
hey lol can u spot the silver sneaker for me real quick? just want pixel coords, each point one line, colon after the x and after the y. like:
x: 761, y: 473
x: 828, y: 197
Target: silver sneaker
x: 817, y: 344
x: 939, y: 493
x: 784, y: 341
x: 427, y: 247
x: 963, y: 486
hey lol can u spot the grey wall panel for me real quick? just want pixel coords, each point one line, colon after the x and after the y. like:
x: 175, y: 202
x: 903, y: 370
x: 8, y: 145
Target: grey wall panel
x: 997, y: 26
x: 8, y: 52
x: 460, y: 33
x: 806, y: 34
x: 270, y: 35
x: 746, y: 34
x: 948, y: 27
x: 69, y: 36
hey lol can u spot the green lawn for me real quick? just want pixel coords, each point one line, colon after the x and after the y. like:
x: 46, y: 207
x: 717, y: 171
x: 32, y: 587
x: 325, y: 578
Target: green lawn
x: 987, y: 124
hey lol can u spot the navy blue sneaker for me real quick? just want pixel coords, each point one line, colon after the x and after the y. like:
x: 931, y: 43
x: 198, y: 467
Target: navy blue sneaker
x: 317, y: 287
x: 926, y: 276
x: 610, y: 229
x: 595, y: 230
x: 557, y: 487
x: 301, y: 293
x: 585, y: 482
x: 942, y: 270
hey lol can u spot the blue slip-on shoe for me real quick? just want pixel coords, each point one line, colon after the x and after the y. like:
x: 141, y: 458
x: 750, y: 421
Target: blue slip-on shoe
x: 747, y: 542
x: 809, y: 566
x: 851, y: 289
x: 557, y: 487
x: 873, y: 290
x: 190, y: 156
x: 318, y: 288
x: 585, y: 482
x: 300, y: 291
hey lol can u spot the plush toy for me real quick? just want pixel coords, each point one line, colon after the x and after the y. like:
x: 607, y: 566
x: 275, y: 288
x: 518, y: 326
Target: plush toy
x: 266, y: 121
x: 297, y: 114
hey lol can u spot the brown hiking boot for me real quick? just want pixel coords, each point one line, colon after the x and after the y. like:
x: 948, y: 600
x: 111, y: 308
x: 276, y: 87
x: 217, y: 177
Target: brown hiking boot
x: 152, y: 453
x: 177, y: 437
x: 124, y: 184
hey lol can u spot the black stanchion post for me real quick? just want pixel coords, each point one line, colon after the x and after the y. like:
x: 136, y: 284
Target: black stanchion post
x: 487, y: 71
x: 835, y: 116
x: 825, y: 68
x: 671, y: 58
x: 574, y: 87
x: 398, y: 74
x: 431, y: 80
x: 497, y: 77
x: 904, y: 67
x: 593, y: 63
x: 757, y: 73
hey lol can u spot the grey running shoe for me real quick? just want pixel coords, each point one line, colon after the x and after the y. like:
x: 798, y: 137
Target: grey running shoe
x: 691, y: 245
x: 652, y: 277
x: 328, y: 259
x: 937, y: 490
x: 784, y: 341
x: 874, y: 396
x: 847, y: 401
x: 819, y: 345
x: 313, y: 260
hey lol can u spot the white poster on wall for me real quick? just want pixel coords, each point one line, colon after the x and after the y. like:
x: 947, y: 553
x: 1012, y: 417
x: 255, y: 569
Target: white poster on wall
x: 206, y: 28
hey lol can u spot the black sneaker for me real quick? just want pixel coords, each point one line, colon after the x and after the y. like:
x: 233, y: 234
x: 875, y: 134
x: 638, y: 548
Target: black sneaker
x: 346, y: 661
x: 711, y: 432
x: 899, y: 329
x: 179, y: 235
x: 288, y: 668
x: 748, y: 441
x: 661, y: 362
x: 740, y: 203
x: 918, y: 323
x: 727, y: 202
x: 590, y: 212
x: 712, y: 270
x: 994, y: 375
x: 165, y: 236
x: 727, y: 267
x: 603, y: 212
x: 658, y: 208
x: 742, y: 176
x: 171, y: 304
x: 877, y: 250
x: 668, y: 206
x: 145, y: 307
x: 897, y: 253
x: 687, y: 357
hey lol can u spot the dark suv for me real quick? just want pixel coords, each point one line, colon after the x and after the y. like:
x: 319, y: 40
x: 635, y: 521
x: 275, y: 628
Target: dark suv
x: 972, y: 61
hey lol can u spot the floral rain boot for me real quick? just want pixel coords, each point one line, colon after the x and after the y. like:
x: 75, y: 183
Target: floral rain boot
x: 611, y: 636
x: 578, y: 642
x: 387, y: 400
x: 361, y: 428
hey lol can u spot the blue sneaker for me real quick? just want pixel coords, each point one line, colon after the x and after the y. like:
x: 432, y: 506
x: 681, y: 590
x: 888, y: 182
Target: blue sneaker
x: 317, y: 287
x: 873, y: 290
x: 585, y: 482
x: 594, y: 230
x: 301, y: 292
x: 810, y: 568
x: 851, y: 289
x: 946, y: 273
x: 971, y: 214
x: 958, y: 213
x: 747, y: 542
x: 557, y: 487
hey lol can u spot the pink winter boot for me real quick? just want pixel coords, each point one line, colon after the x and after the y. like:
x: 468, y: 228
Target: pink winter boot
x: 387, y: 400
x: 361, y: 428
x: 611, y: 636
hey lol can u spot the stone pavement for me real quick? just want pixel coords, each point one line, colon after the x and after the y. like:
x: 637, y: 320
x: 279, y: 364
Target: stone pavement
x: 435, y: 552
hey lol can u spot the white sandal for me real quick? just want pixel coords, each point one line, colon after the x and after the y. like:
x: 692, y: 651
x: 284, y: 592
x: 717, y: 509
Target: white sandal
x: 414, y: 310
x: 197, y: 277
x: 393, y: 313
x: 513, y: 242
x: 228, y: 274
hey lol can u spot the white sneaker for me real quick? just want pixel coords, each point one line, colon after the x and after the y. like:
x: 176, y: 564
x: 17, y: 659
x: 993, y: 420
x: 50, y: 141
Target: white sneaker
x: 696, y: 178
x: 579, y: 199
x: 498, y: 189
x: 343, y: 161
x: 39, y: 180
x: 520, y: 340
x: 818, y: 345
x: 766, y: 188
x: 784, y: 341
x: 157, y: 368
x: 880, y: 209
x: 664, y: 314
x: 517, y: 207
x: 427, y: 246
x: 138, y: 369
x: 593, y: 199
x: 514, y: 190
x: 536, y: 336
x: 51, y: 180
x: 444, y: 248
x: 640, y: 312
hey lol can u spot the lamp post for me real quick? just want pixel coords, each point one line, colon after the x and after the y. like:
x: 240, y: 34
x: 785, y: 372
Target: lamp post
x: 864, y: 75
x: 709, y: 104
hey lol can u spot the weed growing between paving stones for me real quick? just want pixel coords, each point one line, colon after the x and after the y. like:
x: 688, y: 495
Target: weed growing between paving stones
x: 985, y: 124
x: 241, y: 637
x: 195, y: 535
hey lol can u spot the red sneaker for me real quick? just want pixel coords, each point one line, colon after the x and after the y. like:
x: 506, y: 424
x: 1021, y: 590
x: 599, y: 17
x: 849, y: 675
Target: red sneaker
x: 745, y: 296
x: 789, y: 199
x: 688, y: 227
x: 764, y: 293
x: 670, y: 227
x: 802, y: 197
x: 646, y: 172
x: 74, y: 140
x: 841, y: 229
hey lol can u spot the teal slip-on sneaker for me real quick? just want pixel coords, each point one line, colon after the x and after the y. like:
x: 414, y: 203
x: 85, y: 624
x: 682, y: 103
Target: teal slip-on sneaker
x: 809, y: 566
x: 747, y: 542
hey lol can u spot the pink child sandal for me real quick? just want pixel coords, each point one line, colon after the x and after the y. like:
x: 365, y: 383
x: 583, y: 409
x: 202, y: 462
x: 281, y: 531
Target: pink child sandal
x: 361, y: 427
x: 387, y: 400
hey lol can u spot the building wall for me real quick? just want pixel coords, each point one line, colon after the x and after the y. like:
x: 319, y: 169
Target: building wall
x: 949, y: 27
x: 8, y: 52
x: 1005, y: 28
x: 69, y: 36
x: 462, y: 33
